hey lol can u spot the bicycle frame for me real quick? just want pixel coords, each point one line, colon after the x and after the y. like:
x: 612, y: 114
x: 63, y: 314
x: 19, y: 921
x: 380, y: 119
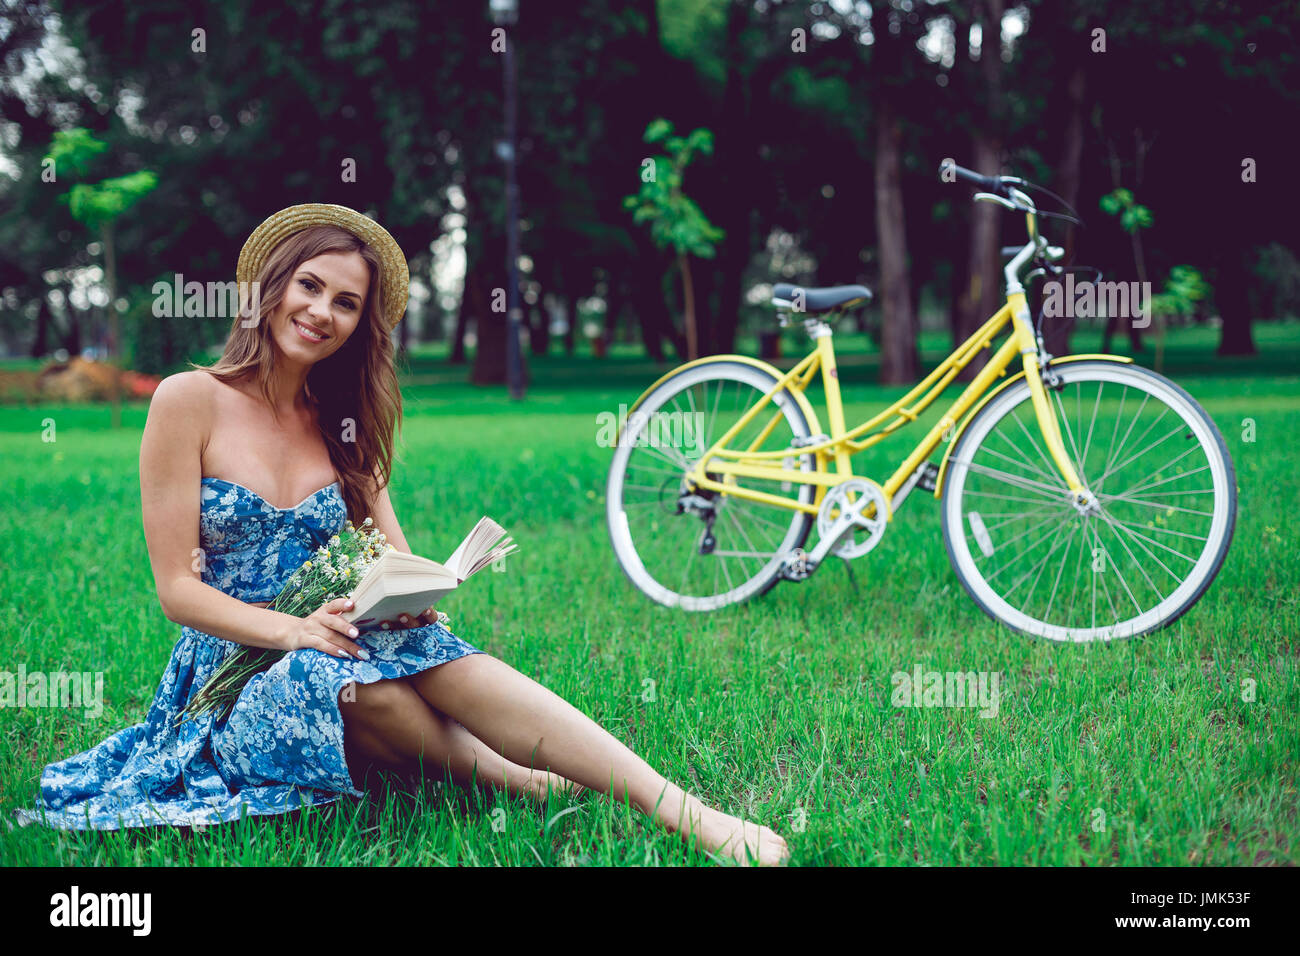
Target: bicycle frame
x: 842, y: 445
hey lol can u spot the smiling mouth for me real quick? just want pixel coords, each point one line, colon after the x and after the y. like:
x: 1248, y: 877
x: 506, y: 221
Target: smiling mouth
x: 311, y: 335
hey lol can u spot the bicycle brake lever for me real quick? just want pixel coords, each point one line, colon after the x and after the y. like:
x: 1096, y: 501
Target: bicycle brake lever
x: 994, y: 197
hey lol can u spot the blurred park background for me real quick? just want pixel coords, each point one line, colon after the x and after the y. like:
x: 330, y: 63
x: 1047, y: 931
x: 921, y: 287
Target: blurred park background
x: 143, y: 140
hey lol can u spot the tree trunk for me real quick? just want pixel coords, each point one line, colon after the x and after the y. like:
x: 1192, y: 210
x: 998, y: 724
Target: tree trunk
x: 42, y: 327
x: 984, y: 294
x: 114, y: 325
x: 1230, y: 293
x: 898, y: 357
x: 490, y: 348
x: 470, y: 296
x: 735, y: 149
x: 1057, y: 329
x: 649, y: 311
x: 688, y: 301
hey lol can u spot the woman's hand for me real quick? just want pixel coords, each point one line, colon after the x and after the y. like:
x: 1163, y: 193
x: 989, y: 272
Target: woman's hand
x: 324, y: 630
x: 428, y: 616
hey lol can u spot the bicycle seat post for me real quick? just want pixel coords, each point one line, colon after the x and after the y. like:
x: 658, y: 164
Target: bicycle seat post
x: 816, y: 328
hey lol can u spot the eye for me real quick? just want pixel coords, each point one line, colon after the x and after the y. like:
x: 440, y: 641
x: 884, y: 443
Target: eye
x: 348, y: 304
x: 307, y: 284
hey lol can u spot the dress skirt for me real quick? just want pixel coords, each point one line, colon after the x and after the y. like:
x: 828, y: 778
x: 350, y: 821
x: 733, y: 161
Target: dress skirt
x: 279, y: 749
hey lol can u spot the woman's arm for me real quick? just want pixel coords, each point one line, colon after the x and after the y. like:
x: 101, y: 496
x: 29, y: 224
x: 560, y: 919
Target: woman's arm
x: 381, y: 510
x: 170, y: 468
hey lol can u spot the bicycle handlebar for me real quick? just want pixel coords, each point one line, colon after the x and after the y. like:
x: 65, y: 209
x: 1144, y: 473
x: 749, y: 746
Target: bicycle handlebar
x: 993, y: 184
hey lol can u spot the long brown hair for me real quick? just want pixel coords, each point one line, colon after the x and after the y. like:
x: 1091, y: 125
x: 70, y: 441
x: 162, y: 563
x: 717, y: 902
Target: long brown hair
x: 354, y: 390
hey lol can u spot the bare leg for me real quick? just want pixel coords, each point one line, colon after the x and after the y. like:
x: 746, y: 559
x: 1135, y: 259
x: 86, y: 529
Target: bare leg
x: 515, y: 716
x: 390, y: 727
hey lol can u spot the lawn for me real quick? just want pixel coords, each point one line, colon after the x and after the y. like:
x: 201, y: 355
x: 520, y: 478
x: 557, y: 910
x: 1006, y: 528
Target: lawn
x: 1176, y: 748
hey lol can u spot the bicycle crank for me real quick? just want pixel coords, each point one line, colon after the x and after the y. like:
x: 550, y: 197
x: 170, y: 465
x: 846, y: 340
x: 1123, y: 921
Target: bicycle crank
x: 852, y: 518
x: 849, y: 529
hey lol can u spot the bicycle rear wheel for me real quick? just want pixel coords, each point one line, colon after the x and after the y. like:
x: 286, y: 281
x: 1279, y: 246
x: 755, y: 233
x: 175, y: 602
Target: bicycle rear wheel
x: 704, y: 550
x: 1166, y: 494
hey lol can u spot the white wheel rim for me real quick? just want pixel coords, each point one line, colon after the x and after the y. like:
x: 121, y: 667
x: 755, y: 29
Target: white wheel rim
x: 616, y: 515
x: 1006, y: 612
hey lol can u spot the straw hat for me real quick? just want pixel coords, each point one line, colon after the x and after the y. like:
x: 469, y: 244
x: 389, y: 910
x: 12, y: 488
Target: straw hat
x: 281, y: 225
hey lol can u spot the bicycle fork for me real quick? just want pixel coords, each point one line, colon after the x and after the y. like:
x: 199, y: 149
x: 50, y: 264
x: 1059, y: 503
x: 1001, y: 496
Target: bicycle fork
x: 1080, y: 496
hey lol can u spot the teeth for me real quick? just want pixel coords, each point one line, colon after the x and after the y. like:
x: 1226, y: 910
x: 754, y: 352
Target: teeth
x: 310, y: 334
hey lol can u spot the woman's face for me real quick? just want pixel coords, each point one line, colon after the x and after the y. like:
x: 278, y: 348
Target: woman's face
x: 324, y: 298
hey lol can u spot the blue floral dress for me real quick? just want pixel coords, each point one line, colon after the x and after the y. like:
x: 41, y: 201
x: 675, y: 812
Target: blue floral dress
x: 281, y: 746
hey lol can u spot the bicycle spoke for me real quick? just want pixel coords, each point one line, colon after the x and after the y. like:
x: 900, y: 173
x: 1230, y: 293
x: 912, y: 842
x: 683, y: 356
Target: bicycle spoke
x: 1123, y: 441
x: 1105, y: 585
x: 1149, y: 553
x: 1047, y: 614
x: 1158, y: 544
x: 1034, y: 468
x: 1024, y: 484
x: 1087, y: 443
x: 991, y: 494
x: 1136, y: 562
x: 1051, y: 465
x: 991, y: 578
x: 1165, y: 481
x: 1110, y: 563
x: 1025, y: 514
x: 1065, y: 419
x: 1042, y: 563
x: 1135, y: 455
x: 1162, y: 507
x: 1161, y: 516
x: 1180, y: 534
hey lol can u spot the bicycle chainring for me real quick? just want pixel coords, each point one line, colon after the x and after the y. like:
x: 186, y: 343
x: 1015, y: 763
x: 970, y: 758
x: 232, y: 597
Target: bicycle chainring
x: 868, y: 525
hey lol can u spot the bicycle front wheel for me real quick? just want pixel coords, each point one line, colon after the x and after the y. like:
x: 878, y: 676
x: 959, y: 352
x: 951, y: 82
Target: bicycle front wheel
x: 1166, y: 506
x: 701, y: 550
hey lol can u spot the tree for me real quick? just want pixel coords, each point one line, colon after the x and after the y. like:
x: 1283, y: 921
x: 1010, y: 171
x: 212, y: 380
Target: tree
x: 676, y: 222
x: 98, y: 206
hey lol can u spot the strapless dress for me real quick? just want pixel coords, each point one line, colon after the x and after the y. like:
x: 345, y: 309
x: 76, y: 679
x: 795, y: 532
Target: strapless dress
x: 281, y: 747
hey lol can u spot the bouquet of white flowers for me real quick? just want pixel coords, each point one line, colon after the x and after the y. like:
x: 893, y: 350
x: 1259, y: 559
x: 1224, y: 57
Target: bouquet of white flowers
x: 332, y: 572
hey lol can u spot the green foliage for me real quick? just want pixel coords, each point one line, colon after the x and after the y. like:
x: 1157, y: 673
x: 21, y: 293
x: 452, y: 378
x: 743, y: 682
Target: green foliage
x: 1132, y: 216
x: 105, y: 201
x: 96, y: 203
x: 1277, y: 281
x: 1184, y: 288
x: 75, y: 149
x: 676, y: 221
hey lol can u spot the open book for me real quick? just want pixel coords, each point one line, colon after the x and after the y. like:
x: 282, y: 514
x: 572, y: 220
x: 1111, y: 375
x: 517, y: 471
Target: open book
x: 400, y: 583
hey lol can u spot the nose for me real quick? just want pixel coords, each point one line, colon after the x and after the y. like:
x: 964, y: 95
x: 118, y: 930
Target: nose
x: 319, y: 313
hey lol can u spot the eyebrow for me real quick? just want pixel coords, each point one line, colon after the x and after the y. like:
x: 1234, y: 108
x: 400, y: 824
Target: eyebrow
x: 321, y: 281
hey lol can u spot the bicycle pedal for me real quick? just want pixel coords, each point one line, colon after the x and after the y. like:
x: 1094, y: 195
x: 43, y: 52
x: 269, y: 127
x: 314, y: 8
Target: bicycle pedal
x: 929, y: 479
x: 796, y: 566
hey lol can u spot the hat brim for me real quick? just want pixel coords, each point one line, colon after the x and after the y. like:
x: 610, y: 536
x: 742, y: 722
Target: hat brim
x: 279, y: 226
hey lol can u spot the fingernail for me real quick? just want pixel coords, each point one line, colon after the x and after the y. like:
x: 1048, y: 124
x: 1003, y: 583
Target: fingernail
x: 352, y: 632
x: 363, y: 654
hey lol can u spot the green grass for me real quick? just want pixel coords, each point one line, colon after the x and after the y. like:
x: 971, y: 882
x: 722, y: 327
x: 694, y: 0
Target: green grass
x: 778, y: 710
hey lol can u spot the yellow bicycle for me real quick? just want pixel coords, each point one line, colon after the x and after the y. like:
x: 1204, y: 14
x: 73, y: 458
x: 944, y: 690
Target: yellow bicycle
x: 1084, y: 498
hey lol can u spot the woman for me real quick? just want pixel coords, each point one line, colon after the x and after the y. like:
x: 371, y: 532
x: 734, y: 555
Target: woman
x: 305, y: 397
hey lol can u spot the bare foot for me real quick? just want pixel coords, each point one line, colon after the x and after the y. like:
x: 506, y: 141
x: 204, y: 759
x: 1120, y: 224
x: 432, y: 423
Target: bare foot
x: 741, y: 841
x: 745, y: 842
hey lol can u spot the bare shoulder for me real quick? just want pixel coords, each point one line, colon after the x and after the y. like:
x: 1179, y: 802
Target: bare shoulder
x: 191, y: 389
x: 181, y: 408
